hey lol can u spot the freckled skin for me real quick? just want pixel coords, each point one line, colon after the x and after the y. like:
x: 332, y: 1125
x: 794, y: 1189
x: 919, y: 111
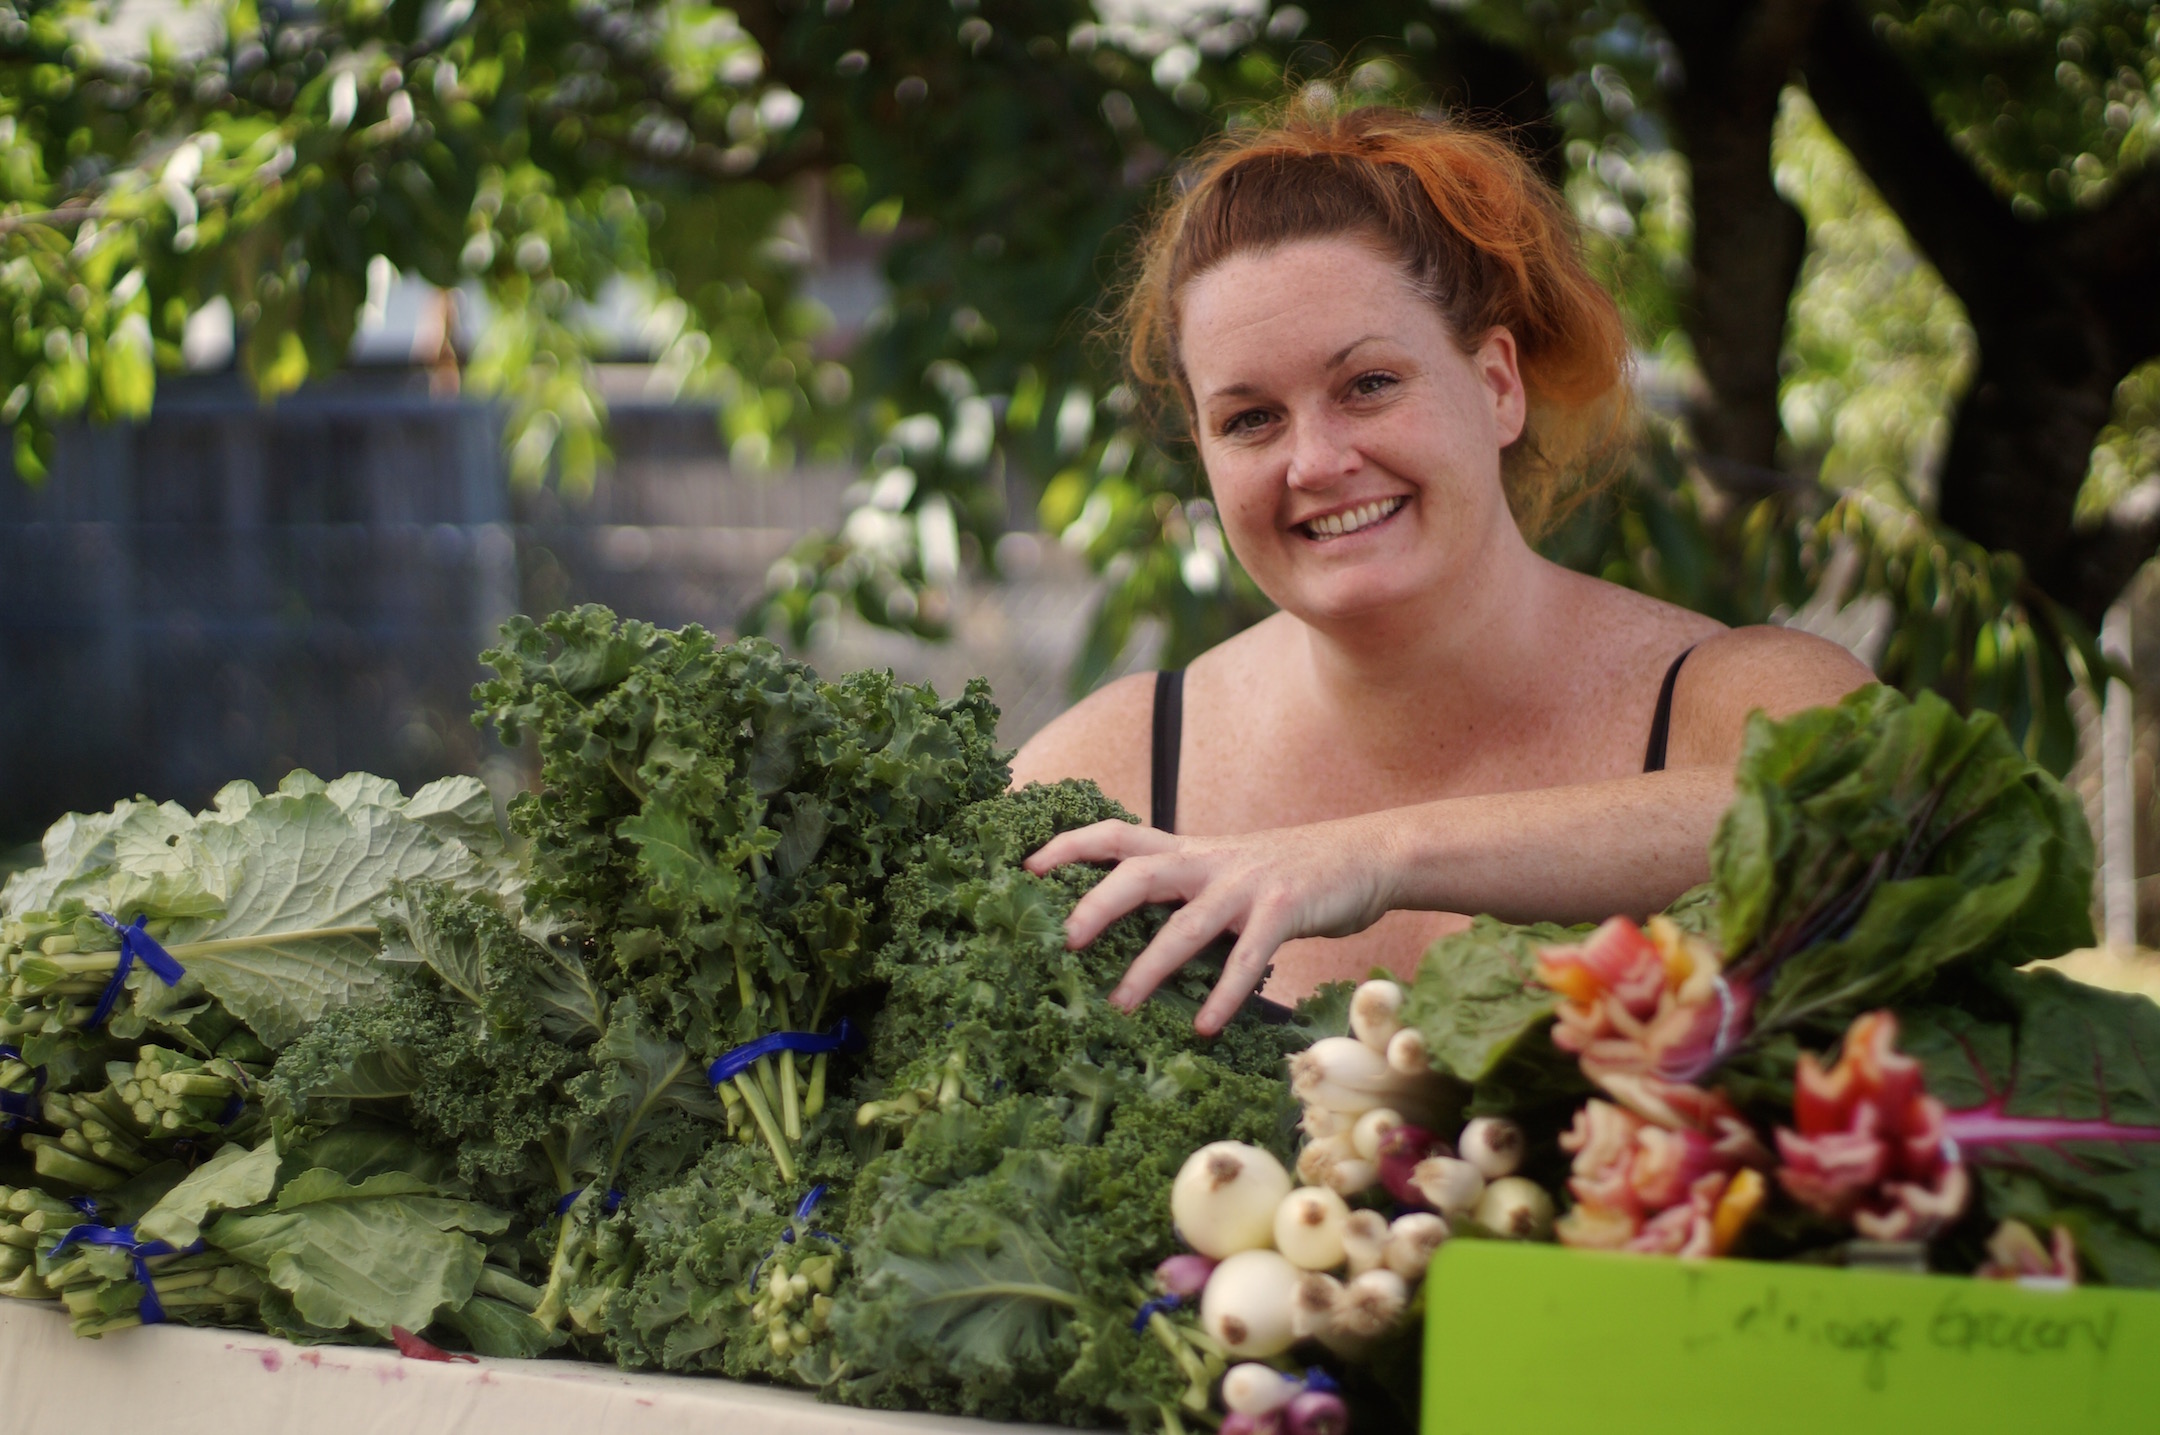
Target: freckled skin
x: 1437, y: 720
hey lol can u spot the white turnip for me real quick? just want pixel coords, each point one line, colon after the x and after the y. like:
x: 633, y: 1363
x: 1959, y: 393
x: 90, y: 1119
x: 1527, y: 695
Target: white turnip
x: 1225, y: 1196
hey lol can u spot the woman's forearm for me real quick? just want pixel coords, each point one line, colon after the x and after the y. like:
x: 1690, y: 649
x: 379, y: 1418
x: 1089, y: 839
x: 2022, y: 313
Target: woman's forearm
x: 1561, y: 854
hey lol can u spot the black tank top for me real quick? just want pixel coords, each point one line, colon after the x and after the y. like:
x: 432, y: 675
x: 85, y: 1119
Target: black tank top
x: 1169, y: 738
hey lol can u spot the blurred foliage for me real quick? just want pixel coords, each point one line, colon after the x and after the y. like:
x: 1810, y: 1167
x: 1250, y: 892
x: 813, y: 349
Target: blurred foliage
x: 547, y: 159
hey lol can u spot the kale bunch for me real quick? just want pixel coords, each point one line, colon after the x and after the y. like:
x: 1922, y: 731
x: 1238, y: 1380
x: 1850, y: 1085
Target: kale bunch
x: 1030, y: 1133
x: 724, y: 824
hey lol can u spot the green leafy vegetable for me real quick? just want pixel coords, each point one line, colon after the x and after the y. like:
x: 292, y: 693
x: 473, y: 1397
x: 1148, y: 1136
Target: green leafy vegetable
x: 1873, y: 844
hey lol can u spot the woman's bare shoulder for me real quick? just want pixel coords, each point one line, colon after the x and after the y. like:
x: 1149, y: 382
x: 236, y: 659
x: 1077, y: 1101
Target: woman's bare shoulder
x: 1107, y: 736
x: 1742, y: 670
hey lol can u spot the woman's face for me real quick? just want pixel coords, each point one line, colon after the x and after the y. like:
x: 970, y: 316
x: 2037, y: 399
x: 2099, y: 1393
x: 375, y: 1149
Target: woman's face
x: 1352, y: 446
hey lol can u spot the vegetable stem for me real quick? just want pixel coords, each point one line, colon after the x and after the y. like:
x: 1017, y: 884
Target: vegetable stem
x: 755, y: 1100
x: 814, y: 1102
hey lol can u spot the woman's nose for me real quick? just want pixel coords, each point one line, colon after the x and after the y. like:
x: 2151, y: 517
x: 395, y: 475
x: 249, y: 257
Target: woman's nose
x: 1323, y: 451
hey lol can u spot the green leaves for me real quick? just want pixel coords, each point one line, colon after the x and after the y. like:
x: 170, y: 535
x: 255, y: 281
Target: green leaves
x: 385, y: 1251
x: 2054, y: 1096
x: 1872, y: 844
x: 232, y: 1179
x: 1476, y: 994
x: 265, y: 900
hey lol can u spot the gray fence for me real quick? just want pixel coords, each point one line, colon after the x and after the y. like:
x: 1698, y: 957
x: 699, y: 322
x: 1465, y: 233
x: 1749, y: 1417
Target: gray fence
x: 228, y: 590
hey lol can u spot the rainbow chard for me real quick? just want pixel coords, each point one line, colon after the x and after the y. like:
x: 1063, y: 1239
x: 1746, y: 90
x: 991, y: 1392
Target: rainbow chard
x: 2052, y: 1092
x: 1877, y: 843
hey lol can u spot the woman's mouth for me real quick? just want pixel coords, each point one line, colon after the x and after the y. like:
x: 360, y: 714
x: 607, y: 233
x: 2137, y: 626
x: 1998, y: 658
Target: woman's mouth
x: 1365, y: 515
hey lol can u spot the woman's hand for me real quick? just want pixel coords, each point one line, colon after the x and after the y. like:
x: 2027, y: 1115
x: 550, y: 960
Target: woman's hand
x: 1325, y: 880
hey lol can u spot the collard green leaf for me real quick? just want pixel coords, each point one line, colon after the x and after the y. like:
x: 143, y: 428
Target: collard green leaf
x: 378, y: 1253
x: 302, y: 876
x: 233, y: 1179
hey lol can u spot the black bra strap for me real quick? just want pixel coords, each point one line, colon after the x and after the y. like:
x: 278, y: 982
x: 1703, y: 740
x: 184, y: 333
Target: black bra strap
x: 1168, y: 741
x: 1661, y: 722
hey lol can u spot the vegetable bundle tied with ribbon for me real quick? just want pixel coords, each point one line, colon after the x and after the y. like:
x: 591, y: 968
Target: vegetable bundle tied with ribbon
x: 722, y: 823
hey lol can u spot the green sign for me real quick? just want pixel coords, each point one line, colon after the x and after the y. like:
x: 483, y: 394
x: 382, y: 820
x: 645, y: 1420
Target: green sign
x: 1537, y: 1339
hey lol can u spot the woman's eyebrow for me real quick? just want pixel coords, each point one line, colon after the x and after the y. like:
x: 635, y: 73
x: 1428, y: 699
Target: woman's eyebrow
x: 1348, y: 349
x: 1335, y: 361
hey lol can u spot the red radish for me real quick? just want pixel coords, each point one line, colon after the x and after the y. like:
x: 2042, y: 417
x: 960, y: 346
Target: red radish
x: 1400, y: 1151
x: 1316, y: 1412
x: 1184, y: 1276
x: 1238, y: 1424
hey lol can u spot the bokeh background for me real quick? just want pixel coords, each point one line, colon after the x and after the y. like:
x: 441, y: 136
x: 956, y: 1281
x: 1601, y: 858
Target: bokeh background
x: 342, y: 330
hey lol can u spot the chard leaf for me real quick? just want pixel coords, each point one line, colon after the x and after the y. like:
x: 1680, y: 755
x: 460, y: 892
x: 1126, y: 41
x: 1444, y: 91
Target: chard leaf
x: 1476, y: 995
x: 2054, y: 1096
x: 231, y: 1180
x: 1873, y: 844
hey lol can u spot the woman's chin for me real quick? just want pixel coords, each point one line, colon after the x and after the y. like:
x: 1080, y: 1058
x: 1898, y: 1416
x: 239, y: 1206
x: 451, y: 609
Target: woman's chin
x: 1335, y: 598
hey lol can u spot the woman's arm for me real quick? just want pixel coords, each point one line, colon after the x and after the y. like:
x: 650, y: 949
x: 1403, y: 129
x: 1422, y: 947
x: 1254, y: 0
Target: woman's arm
x: 1554, y: 854
x: 1575, y: 853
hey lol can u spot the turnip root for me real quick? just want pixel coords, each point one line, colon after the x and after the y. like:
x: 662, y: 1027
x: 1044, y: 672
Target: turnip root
x: 1312, y: 1304
x: 1448, y: 1184
x: 1376, y: 1013
x: 1225, y: 1196
x: 1406, y: 1053
x: 1256, y: 1389
x: 1248, y: 1303
x: 1365, y: 1237
x: 1411, y: 1241
x: 1320, y: 1156
x: 1517, y: 1209
x: 1343, y: 1074
x: 1493, y: 1144
x: 1309, y: 1228
x: 1371, y: 1128
x: 1370, y: 1304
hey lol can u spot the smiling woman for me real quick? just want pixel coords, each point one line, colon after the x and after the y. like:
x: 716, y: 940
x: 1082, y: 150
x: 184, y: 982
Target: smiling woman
x: 1380, y: 338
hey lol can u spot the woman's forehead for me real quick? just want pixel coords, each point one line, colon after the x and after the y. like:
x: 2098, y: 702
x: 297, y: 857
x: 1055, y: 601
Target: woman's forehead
x: 1298, y: 305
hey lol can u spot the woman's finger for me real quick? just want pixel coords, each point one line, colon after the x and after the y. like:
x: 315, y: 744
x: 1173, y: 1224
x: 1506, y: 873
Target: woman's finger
x: 1110, y: 841
x: 1189, y: 929
x: 1245, y: 968
x: 1131, y: 884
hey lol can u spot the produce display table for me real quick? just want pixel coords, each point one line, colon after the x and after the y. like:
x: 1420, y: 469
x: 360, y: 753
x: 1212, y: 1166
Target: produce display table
x: 176, y: 1380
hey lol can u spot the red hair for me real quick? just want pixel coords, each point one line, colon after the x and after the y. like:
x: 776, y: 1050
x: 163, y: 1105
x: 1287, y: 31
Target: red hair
x: 1476, y: 230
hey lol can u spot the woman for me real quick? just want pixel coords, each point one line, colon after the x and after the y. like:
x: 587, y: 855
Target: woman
x: 1391, y: 362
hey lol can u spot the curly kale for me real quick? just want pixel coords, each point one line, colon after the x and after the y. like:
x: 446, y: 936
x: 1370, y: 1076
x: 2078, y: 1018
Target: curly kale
x: 725, y: 824
x: 456, y: 1045
x: 1000, y: 1242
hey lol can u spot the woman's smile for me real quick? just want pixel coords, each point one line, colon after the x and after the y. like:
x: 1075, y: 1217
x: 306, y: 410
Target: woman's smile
x: 1341, y: 523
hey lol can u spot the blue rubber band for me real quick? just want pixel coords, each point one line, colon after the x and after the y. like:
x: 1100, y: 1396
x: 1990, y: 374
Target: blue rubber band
x: 610, y: 1203
x: 803, y: 1208
x: 1160, y: 1305
x: 139, y: 1252
x: 233, y: 1107
x: 88, y: 1205
x: 20, y: 1106
x: 1319, y: 1380
x: 135, y: 943
x: 843, y: 1037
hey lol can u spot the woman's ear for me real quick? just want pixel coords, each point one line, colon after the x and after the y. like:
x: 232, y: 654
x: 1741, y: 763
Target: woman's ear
x: 1498, y: 365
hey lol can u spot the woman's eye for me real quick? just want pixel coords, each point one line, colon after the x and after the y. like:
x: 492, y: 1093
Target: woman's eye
x: 1366, y: 385
x: 1245, y: 422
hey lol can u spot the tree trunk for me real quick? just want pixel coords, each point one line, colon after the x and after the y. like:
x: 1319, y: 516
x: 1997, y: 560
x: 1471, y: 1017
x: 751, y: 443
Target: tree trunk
x: 1748, y: 241
x: 2063, y: 308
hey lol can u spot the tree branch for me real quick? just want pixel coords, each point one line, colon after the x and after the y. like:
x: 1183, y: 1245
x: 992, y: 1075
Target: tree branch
x: 2064, y: 309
